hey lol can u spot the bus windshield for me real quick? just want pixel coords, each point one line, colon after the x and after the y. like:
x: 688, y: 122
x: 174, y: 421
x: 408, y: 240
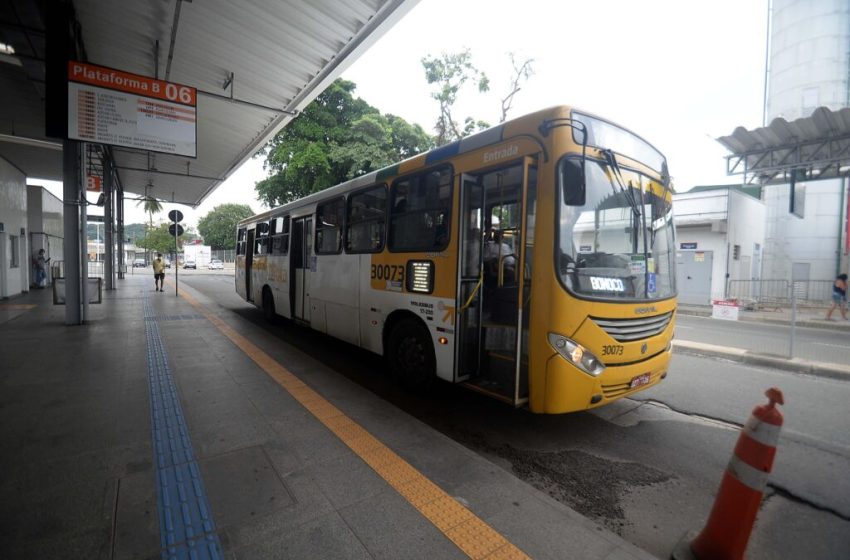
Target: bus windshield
x: 616, y: 242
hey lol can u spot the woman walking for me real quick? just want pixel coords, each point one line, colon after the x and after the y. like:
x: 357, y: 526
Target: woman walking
x: 839, y: 297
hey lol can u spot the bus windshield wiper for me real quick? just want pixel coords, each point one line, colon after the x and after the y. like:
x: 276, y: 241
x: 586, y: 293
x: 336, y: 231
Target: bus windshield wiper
x: 628, y: 193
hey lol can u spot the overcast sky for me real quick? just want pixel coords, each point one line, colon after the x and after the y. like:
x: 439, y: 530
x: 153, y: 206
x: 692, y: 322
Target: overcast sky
x: 678, y: 73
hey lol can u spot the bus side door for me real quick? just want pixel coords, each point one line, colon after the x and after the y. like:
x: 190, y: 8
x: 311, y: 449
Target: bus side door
x: 300, y: 260
x: 249, y: 261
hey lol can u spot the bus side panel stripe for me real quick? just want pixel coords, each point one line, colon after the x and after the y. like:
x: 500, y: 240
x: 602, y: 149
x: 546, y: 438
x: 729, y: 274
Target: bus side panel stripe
x: 440, y: 154
x: 383, y: 174
x: 489, y: 136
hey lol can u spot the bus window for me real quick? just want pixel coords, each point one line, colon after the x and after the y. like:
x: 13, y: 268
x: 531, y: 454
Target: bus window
x: 280, y: 235
x: 329, y: 217
x: 261, y: 245
x: 421, y: 211
x: 241, y: 236
x: 366, y: 221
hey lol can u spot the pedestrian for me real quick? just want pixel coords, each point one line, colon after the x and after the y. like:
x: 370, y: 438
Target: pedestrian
x: 839, y: 297
x: 158, y: 273
x: 41, y: 269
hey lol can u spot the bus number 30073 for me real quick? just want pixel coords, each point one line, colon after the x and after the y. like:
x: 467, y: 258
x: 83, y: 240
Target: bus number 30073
x: 388, y: 272
x: 612, y: 350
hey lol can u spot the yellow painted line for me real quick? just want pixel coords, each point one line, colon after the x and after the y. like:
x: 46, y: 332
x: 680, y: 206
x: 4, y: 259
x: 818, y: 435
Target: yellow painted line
x: 472, y: 535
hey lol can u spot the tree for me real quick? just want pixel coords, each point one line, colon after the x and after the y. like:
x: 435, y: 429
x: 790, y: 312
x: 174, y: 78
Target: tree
x: 522, y: 73
x: 218, y: 227
x: 152, y: 206
x: 134, y: 232
x: 450, y: 72
x: 337, y: 137
x: 158, y: 240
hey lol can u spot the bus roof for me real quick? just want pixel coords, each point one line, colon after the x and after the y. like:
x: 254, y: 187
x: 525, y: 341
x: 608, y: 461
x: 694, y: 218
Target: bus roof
x: 487, y: 137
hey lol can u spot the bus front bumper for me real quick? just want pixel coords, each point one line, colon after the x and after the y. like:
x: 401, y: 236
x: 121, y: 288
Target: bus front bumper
x: 569, y: 389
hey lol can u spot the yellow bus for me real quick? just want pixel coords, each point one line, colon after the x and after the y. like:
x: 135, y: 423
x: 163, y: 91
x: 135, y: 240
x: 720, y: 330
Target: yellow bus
x: 533, y: 262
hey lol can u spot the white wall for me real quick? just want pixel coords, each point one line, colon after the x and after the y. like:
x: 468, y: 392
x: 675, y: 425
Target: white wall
x: 746, y: 227
x: 13, y: 216
x: 813, y: 239
x: 716, y: 221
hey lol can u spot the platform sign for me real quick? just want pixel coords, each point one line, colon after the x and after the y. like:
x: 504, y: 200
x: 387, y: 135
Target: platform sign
x: 94, y: 183
x: 109, y: 106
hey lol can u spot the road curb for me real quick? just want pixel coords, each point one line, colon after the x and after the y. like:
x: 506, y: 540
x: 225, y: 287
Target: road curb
x: 796, y: 365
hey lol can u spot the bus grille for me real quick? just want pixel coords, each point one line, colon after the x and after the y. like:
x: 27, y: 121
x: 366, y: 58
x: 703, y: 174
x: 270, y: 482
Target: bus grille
x: 629, y: 330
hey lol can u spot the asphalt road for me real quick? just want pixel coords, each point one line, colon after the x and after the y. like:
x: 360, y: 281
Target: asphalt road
x: 822, y: 345
x: 648, y: 467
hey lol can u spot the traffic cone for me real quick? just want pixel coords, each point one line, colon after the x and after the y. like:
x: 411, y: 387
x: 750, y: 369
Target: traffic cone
x: 730, y: 523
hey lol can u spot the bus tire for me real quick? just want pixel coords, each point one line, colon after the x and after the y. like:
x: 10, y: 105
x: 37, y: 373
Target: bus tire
x: 268, y: 306
x: 410, y: 355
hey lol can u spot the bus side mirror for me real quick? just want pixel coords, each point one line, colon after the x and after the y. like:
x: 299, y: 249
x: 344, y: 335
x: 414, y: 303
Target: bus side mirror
x: 573, y: 182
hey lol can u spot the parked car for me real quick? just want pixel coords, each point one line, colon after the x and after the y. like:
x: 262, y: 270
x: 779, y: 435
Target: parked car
x: 190, y: 264
x: 139, y: 263
x: 216, y: 264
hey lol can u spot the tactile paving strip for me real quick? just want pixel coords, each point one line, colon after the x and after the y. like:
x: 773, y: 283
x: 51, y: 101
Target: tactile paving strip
x: 460, y: 525
x: 186, y: 526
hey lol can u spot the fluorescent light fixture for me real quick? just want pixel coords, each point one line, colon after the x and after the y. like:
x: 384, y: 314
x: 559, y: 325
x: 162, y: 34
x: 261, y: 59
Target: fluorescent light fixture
x: 6, y: 49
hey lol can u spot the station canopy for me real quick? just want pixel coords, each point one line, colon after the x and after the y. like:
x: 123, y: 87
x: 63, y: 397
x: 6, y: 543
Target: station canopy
x: 255, y: 65
x: 812, y: 148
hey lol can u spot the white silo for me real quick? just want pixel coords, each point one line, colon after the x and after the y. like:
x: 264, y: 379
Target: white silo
x: 808, y: 67
x: 809, y: 57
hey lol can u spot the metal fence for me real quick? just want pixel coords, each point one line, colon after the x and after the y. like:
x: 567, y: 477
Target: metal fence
x: 790, y: 300
x: 756, y: 294
x: 225, y: 255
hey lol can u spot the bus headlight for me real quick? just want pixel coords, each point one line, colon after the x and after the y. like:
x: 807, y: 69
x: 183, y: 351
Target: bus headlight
x: 577, y: 354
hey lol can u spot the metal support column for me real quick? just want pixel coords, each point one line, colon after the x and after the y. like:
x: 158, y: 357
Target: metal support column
x: 108, y: 219
x: 71, y: 202
x: 119, y: 213
x: 84, y: 235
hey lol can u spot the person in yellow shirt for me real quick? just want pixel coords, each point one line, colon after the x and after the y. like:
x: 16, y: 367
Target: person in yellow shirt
x: 158, y: 273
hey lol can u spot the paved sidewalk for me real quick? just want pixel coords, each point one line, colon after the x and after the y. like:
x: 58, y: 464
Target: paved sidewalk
x: 811, y: 317
x: 102, y: 425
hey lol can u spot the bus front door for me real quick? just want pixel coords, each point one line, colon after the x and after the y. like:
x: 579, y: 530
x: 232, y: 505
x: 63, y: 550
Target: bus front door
x: 300, y: 259
x: 249, y: 262
x: 491, y: 354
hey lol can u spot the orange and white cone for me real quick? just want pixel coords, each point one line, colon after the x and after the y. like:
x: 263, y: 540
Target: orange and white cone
x: 731, y: 521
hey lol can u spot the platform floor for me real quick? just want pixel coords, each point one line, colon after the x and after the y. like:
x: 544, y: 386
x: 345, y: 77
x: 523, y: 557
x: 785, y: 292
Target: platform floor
x: 161, y: 429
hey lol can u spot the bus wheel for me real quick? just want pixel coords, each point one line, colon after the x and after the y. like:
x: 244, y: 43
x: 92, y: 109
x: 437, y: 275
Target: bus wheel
x: 411, y: 357
x: 268, y: 305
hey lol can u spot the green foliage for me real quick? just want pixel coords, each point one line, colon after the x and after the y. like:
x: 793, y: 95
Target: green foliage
x: 134, y: 231
x: 450, y: 72
x: 158, y: 240
x: 218, y: 227
x: 337, y: 137
x: 189, y: 235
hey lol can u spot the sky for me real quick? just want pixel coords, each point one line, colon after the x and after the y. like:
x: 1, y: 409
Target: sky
x: 678, y: 73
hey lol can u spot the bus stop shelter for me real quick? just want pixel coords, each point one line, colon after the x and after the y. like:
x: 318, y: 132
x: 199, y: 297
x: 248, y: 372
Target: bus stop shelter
x: 249, y: 68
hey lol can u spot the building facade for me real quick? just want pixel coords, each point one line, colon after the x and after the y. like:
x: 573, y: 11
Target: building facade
x: 720, y: 234
x: 15, y: 261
